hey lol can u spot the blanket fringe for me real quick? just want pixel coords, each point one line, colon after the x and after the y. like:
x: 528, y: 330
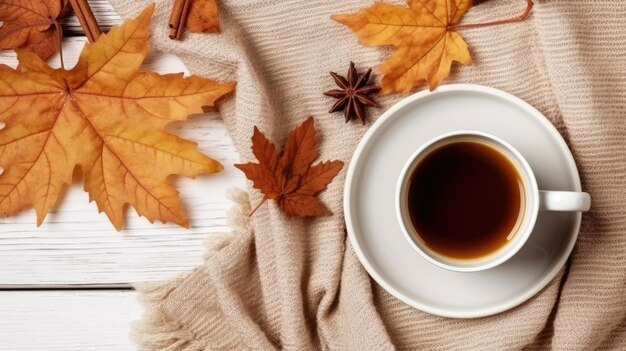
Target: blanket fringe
x: 154, y: 331
x: 238, y: 221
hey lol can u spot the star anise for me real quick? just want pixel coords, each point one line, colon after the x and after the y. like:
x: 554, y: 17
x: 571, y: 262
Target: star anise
x: 353, y: 95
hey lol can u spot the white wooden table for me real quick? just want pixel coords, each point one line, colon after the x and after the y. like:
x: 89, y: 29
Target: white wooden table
x: 67, y: 284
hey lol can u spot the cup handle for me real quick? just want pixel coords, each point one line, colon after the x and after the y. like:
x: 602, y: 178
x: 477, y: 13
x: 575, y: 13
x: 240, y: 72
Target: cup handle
x: 564, y: 201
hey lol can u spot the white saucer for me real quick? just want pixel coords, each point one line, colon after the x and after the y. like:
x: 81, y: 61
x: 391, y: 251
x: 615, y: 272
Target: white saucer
x: 370, y: 209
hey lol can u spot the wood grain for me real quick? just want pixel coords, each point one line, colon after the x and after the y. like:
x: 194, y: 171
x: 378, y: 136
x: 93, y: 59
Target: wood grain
x: 103, y: 12
x: 67, y: 320
x: 78, y: 246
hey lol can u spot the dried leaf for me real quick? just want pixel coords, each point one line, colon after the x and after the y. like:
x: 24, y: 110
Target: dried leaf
x: 203, y: 16
x: 425, y: 44
x: 289, y: 177
x: 31, y: 25
x: 106, y: 118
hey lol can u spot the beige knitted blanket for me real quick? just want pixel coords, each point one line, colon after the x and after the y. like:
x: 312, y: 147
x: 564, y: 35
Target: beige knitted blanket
x: 279, y: 283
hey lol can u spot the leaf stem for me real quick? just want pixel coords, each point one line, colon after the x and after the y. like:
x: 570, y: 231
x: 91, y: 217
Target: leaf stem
x: 257, y: 206
x: 520, y: 18
x: 60, y: 33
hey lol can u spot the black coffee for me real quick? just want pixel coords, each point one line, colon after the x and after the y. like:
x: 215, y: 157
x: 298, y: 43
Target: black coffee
x: 464, y: 199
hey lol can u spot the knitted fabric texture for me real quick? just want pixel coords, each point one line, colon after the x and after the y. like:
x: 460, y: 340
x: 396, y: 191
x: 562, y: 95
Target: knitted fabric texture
x: 282, y: 283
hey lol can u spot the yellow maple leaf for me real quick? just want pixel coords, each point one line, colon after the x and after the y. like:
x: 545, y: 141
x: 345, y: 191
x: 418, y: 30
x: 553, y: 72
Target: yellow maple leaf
x: 106, y: 118
x: 425, y: 44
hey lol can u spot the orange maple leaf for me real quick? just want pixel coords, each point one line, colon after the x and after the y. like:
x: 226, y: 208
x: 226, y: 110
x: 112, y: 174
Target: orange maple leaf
x: 203, y: 16
x: 289, y: 177
x: 106, y: 118
x: 31, y: 25
x: 425, y: 43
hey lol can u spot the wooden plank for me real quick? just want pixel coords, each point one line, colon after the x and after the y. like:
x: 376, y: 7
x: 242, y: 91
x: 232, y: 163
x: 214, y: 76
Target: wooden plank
x: 67, y: 320
x: 78, y: 246
x: 157, y: 61
x: 102, y: 11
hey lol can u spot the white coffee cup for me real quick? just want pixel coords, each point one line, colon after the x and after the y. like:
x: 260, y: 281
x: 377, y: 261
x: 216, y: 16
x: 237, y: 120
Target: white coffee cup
x: 535, y: 200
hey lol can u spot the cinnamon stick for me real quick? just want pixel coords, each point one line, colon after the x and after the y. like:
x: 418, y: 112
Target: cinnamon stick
x: 179, y: 13
x: 87, y: 19
x: 183, y: 20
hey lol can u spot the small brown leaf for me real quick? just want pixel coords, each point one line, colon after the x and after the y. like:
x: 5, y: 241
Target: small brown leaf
x: 203, y: 17
x: 31, y: 25
x: 290, y: 178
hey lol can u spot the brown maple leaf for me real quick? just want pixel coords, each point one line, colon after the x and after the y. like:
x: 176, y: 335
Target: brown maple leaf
x: 31, y: 25
x: 106, y: 118
x: 289, y: 177
x: 424, y: 41
x: 203, y: 16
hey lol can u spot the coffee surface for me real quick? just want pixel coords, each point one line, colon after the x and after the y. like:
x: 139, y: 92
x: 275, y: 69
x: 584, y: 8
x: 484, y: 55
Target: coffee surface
x: 464, y: 199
